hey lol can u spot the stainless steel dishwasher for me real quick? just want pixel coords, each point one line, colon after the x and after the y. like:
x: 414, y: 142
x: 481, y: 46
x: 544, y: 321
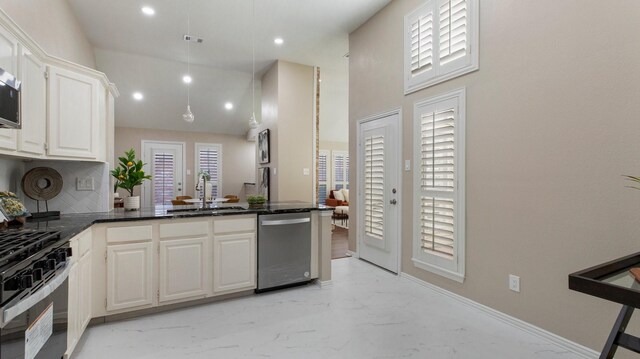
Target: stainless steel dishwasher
x: 284, y: 250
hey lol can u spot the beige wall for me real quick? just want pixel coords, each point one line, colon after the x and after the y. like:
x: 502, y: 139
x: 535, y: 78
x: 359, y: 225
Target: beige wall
x: 52, y: 24
x: 287, y: 110
x: 334, y: 146
x: 552, y: 124
x: 270, y: 121
x: 237, y: 154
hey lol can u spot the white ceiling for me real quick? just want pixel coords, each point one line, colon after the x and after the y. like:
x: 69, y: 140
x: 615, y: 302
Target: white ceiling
x: 147, y: 54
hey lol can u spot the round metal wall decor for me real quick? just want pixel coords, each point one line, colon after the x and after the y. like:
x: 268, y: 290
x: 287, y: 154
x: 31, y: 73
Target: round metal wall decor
x: 42, y: 183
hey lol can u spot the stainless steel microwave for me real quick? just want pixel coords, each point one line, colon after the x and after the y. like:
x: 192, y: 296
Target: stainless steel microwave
x: 9, y: 100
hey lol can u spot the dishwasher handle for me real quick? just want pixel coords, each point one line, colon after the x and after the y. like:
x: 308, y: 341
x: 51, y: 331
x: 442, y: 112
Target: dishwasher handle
x: 284, y: 222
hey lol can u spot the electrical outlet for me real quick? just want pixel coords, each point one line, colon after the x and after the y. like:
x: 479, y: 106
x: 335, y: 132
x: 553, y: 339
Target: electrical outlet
x: 305, y: 171
x: 514, y: 283
x: 85, y: 184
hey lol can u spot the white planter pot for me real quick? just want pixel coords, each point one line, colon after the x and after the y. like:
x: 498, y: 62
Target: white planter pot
x: 132, y: 203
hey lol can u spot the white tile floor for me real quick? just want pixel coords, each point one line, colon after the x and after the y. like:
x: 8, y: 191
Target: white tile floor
x: 367, y: 313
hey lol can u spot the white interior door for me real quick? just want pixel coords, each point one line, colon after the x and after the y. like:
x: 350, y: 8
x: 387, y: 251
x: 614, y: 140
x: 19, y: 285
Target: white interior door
x: 378, y: 190
x: 165, y: 162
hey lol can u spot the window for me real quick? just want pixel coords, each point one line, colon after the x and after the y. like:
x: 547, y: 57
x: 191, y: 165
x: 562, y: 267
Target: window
x: 323, y: 176
x: 441, y: 42
x: 439, y: 223
x: 340, y: 170
x: 209, y: 160
x: 163, y: 177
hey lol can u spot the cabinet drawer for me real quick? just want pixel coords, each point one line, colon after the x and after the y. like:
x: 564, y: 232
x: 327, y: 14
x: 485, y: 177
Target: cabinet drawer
x: 246, y: 224
x: 129, y: 234
x: 186, y: 229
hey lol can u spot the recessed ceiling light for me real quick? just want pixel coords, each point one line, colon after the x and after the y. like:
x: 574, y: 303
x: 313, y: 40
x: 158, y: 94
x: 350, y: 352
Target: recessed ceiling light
x: 138, y: 96
x: 147, y: 10
x: 228, y: 105
x: 187, y: 79
x: 278, y: 41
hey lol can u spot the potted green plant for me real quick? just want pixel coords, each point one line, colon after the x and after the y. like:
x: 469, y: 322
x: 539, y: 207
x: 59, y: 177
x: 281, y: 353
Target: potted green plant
x: 256, y: 201
x: 633, y: 179
x: 129, y: 175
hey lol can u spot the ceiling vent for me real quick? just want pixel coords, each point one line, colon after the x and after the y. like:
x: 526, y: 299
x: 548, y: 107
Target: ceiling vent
x: 192, y: 38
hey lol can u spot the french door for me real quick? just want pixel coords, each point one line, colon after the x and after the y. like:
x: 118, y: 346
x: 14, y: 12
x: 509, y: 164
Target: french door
x: 378, y: 190
x: 165, y: 162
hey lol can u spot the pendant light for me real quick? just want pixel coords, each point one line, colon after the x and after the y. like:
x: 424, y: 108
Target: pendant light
x: 188, y: 116
x: 252, y: 121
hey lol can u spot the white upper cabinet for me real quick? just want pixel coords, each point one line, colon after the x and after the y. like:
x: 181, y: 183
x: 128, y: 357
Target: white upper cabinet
x: 32, y: 136
x: 8, y: 63
x: 66, y: 109
x: 74, y: 122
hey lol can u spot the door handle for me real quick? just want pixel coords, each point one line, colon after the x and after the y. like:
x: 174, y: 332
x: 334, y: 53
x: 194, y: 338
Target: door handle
x: 393, y: 201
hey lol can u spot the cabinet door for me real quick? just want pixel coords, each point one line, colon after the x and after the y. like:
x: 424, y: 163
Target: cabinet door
x: 234, y: 261
x: 32, y: 137
x: 84, y: 282
x: 73, y: 311
x: 73, y: 114
x: 8, y: 63
x: 183, y: 268
x: 129, y: 275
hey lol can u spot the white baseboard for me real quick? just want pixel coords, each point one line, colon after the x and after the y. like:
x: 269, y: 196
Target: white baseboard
x: 505, y: 318
x: 324, y: 283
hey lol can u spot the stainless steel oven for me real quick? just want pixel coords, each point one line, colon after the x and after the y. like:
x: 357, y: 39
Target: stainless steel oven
x: 34, y: 295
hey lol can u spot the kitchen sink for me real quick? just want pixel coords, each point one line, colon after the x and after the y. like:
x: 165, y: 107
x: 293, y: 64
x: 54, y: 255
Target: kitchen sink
x: 207, y: 210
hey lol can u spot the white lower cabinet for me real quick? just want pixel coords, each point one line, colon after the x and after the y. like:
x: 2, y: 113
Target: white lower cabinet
x: 84, y: 281
x: 183, y: 269
x: 129, y: 275
x: 80, y: 289
x: 234, y: 262
x: 72, y: 315
x: 164, y: 262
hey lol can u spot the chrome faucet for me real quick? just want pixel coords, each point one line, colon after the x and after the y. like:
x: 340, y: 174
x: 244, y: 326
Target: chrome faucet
x: 204, y: 191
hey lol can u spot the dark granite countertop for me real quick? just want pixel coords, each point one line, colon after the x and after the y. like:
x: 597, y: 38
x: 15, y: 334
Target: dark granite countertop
x: 70, y: 225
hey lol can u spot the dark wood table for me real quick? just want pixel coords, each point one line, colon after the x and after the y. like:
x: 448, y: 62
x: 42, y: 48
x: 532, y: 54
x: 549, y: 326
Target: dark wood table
x: 612, y: 281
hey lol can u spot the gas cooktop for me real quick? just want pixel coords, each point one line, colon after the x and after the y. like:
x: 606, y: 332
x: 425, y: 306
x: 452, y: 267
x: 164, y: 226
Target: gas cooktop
x: 19, y: 244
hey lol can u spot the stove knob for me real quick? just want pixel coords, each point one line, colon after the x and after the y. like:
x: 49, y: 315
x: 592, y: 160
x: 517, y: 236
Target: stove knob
x: 61, y: 256
x: 11, y: 284
x: 42, y: 265
x: 26, y: 281
x: 68, y: 251
x: 37, y: 274
x: 51, y: 264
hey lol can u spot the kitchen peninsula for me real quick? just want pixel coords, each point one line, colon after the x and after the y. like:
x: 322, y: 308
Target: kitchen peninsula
x: 130, y: 263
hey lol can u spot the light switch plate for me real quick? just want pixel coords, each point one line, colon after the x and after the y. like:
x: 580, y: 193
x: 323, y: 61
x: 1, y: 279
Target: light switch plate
x: 407, y: 165
x: 85, y: 184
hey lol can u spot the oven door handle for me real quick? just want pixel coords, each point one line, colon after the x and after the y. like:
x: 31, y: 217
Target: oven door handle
x: 20, y: 307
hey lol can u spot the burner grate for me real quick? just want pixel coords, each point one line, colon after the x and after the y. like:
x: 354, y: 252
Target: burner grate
x: 20, y: 244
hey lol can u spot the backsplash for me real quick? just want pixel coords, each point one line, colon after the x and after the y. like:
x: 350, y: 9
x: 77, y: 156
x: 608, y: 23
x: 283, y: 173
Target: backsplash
x: 11, y: 171
x: 70, y: 200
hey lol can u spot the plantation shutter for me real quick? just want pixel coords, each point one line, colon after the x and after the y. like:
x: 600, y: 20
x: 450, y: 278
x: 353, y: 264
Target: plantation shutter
x: 453, y: 34
x: 163, y: 177
x: 374, y: 186
x: 422, y: 43
x: 437, y: 174
x: 440, y: 42
x: 209, y: 162
x: 322, y: 176
x: 340, y: 170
